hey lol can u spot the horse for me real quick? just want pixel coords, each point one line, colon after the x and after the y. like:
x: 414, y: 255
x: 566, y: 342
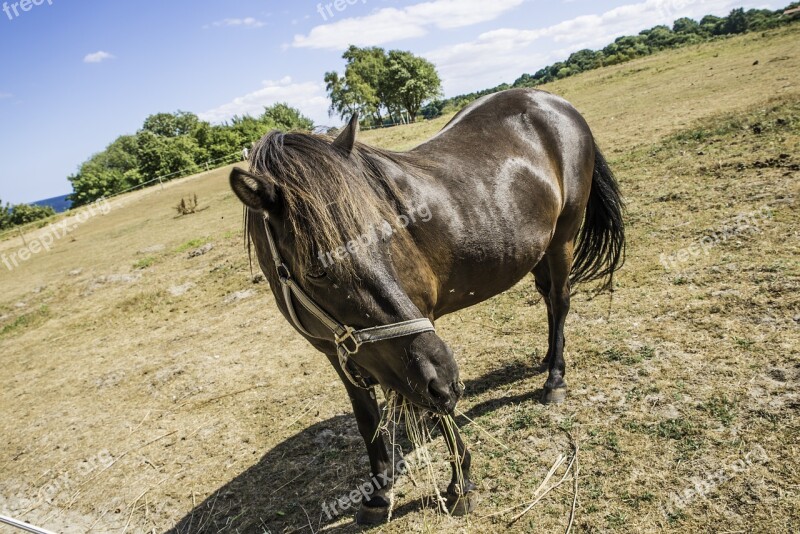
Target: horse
x: 365, y: 248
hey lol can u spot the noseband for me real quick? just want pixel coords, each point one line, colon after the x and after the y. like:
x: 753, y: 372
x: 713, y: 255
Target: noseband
x: 347, y: 339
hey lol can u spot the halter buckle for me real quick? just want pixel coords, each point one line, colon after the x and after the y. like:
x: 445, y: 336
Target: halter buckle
x: 348, y: 337
x: 283, y: 273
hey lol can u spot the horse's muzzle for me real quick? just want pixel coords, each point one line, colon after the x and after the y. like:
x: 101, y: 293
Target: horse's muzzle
x: 444, y: 396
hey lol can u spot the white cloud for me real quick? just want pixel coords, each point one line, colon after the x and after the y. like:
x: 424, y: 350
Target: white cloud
x: 97, y: 57
x: 309, y: 97
x: 247, y: 22
x: 504, y: 54
x: 391, y: 24
x: 5, y: 95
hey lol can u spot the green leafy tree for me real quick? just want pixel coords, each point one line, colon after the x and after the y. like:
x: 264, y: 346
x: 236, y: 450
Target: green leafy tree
x: 711, y: 25
x: 173, y: 144
x: 365, y: 73
x: 684, y: 31
x: 343, y: 99
x: 686, y: 25
x: 160, y: 156
x: 660, y: 38
x: 19, y: 214
x: 376, y: 83
x: 761, y: 19
x: 410, y: 81
x: 284, y: 117
x: 361, y: 89
x: 583, y: 60
x: 4, y: 216
x: 222, y: 142
x: 108, y: 172
x: 171, y: 124
x: 735, y: 23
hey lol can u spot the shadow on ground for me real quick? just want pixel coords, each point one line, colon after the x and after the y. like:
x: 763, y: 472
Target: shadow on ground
x: 285, y: 491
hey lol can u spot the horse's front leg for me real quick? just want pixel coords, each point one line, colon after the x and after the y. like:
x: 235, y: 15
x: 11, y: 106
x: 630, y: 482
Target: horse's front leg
x: 461, y: 495
x: 368, y: 416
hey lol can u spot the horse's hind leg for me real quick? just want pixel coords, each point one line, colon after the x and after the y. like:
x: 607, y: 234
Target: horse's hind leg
x: 557, y: 268
x: 541, y: 274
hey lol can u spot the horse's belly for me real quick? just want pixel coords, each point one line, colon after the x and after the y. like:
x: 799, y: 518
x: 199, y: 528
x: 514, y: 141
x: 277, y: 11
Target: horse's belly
x: 482, y: 274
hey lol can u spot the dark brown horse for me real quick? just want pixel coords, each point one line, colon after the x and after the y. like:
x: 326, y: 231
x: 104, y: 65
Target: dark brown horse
x: 365, y: 248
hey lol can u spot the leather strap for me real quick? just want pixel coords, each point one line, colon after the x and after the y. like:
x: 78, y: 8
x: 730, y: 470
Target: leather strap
x: 348, y: 340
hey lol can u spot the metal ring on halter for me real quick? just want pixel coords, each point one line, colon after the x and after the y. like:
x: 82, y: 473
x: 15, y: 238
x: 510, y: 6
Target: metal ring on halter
x: 283, y: 273
x: 349, y: 335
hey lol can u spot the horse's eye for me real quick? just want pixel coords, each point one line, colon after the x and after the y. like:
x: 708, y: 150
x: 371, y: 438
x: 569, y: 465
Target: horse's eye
x: 317, y: 274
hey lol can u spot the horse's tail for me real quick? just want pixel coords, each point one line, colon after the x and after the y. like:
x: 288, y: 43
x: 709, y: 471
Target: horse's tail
x: 600, y: 249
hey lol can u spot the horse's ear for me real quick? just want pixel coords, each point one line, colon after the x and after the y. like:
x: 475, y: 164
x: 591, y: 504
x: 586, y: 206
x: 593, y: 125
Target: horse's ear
x: 347, y: 139
x: 254, y: 192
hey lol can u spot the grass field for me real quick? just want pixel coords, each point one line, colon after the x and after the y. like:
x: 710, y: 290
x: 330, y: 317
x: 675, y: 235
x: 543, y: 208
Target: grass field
x: 150, y: 383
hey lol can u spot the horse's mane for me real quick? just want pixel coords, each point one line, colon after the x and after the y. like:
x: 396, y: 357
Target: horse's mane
x: 329, y: 198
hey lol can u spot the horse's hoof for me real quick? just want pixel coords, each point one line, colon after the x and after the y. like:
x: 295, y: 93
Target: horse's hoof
x: 554, y: 396
x: 460, y: 505
x: 372, y: 515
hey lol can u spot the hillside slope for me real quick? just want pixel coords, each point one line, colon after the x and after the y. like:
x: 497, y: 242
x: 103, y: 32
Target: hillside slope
x: 149, y: 384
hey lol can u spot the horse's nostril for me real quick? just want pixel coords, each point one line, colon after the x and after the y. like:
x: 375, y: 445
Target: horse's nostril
x: 437, y: 392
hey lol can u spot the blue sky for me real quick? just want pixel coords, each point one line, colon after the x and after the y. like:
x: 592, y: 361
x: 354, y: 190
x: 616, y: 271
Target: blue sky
x: 76, y: 74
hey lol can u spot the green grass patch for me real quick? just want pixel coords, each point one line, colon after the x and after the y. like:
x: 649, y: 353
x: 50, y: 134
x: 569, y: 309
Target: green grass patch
x: 778, y: 117
x: 144, y: 263
x: 194, y: 243
x: 676, y: 429
x: 627, y: 357
x: 27, y: 320
x: 720, y: 408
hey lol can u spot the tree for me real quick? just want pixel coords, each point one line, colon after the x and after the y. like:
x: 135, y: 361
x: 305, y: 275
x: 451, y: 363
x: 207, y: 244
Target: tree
x: 159, y: 156
x: 106, y: 173
x: 583, y: 60
x: 686, y: 25
x: 364, y: 73
x: 283, y: 117
x: 171, y: 144
x: 433, y: 109
x: 761, y: 19
x: 19, y: 214
x: 361, y: 90
x: 343, y: 99
x: 410, y: 81
x: 4, y: 214
x: 662, y: 38
x: 171, y: 124
x: 735, y: 23
x: 221, y: 142
x: 375, y: 83
x: 710, y: 25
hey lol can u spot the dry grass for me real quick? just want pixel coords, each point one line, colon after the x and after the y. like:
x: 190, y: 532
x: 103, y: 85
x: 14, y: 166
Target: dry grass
x: 146, y: 389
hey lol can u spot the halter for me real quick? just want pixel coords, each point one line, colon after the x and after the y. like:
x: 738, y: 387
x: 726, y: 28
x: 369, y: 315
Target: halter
x: 348, y: 340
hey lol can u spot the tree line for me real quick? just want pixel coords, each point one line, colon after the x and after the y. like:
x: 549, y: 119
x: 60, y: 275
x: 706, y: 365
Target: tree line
x: 172, y: 145
x: 684, y: 32
x: 383, y: 87
x: 19, y: 214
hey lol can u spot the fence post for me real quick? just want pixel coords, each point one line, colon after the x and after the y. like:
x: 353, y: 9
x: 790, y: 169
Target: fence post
x: 160, y: 181
x: 22, y: 236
